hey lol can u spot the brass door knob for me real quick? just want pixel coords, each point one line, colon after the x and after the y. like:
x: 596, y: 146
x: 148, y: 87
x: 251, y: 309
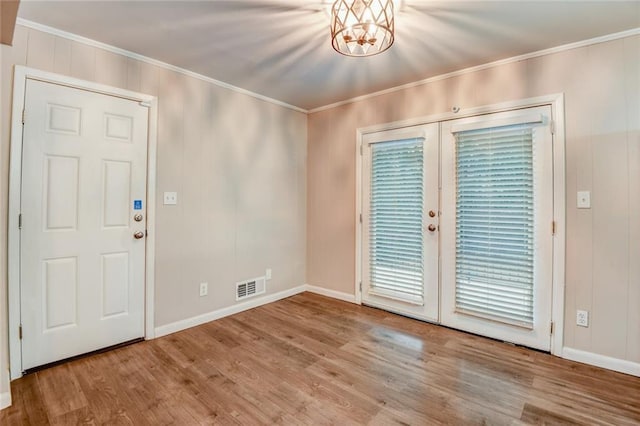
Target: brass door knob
x: 432, y: 213
x: 431, y: 227
x: 138, y: 235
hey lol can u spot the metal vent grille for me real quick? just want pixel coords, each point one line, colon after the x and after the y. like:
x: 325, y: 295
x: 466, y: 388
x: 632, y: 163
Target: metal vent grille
x: 250, y: 288
x: 242, y: 291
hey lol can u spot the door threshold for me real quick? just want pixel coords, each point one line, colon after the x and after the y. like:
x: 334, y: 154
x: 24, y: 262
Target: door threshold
x: 437, y: 324
x: 85, y: 355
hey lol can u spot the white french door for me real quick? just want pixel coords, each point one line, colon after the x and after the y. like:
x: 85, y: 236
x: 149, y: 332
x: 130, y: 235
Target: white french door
x: 400, y: 221
x: 496, y: 229
x: 457, y: 224
x: 82, y: 238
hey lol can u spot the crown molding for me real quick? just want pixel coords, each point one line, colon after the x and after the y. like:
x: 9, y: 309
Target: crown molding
x: 84, y: 40
x: 146, y: 59
x: 557, y: 49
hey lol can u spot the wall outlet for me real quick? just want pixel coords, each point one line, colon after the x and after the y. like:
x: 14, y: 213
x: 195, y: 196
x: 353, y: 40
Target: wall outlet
x: 204, y: 289
x: 582, y: 318
x: 267, y: 275
x: 170, y: 198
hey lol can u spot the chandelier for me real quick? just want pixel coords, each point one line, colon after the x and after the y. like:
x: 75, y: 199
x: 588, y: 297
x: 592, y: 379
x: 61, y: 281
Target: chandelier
x: 362, y: 27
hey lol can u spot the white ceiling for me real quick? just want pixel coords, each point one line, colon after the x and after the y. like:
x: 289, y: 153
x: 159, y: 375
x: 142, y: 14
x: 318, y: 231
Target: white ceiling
x: 281, y: 48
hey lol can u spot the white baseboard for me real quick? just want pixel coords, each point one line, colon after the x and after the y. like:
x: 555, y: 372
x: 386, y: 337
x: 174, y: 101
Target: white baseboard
x: 174, y: 327
x: 5, y: 400
x: 615, y: 364
x: 331, y: 293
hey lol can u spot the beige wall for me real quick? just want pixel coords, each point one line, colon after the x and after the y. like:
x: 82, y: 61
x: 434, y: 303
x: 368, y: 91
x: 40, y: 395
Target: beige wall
x: 237, y: 163
x: 602, y: 87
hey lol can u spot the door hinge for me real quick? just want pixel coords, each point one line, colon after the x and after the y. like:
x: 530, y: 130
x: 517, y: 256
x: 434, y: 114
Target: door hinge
x: 360, y: 285
x: 20, y: 331
x: 20, y: 221
x: 552, y: 127
x: 360, y: 217
x: 551, y: 328
x: 360, y: 149
x: 24, y: 113
x: 553, y: 227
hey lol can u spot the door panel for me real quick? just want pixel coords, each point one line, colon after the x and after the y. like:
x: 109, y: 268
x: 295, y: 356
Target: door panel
x: 61, y: 193
x: 60, y: 288
x: 116, y: 197
x: 496, y: 230
x: 400, y: 253
x: 82, y: 271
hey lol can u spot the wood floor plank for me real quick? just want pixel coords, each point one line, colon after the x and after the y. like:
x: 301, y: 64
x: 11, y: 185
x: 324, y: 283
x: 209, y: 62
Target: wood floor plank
x: 60, y: 391
x: 311, y: 360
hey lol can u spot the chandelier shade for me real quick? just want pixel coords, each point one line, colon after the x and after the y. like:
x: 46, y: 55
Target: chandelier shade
x: 362, y: 27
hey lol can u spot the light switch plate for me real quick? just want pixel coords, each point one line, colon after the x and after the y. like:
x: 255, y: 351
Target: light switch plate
x: 584, y: 199
x: 170, y: 198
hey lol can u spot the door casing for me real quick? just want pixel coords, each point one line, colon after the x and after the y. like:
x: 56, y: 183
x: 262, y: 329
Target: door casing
x: 556, y: 101
x: 21, y: 75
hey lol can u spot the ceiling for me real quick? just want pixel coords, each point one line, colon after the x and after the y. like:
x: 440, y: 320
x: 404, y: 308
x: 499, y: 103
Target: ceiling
x: 281, y: 48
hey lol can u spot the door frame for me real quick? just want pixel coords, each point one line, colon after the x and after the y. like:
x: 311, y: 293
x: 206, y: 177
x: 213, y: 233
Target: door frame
x: 20, y: 77
x: 556, y: 101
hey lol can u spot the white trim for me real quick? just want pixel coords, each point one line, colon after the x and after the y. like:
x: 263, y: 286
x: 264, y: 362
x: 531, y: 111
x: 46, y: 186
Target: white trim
x: 357, y: 290
x: 180, y: 325
x: 150, y: 255
x: 610, y: 363
x: 331, y: 293
x: 21, y: 74
x: 559, y: 208
x: 5, y: 400
x: 483, y: 123
x: 70, y: 36
x: 559, y: 216
x: 394, y: 310
x: 146, y: 59
x: 469, y: 112
x: 552, y: 50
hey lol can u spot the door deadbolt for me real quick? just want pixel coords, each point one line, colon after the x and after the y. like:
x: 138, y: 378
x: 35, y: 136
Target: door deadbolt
x: 138, y: 217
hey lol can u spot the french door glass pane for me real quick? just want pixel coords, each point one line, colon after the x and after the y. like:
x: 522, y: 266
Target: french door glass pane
x: 494, y: 224
x: 396, y: 219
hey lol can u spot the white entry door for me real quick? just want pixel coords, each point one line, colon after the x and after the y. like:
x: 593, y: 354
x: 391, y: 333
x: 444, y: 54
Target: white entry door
x: 497, y: 225
x: 82, y: 245
x: 400, y: 221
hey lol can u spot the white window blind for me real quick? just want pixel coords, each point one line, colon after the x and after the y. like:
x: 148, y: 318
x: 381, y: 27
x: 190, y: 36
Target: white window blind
x: 495, y: 224
x: 395, y: 220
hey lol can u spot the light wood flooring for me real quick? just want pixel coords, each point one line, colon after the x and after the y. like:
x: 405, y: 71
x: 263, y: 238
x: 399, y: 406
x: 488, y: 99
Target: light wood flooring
x: 313, y: 360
